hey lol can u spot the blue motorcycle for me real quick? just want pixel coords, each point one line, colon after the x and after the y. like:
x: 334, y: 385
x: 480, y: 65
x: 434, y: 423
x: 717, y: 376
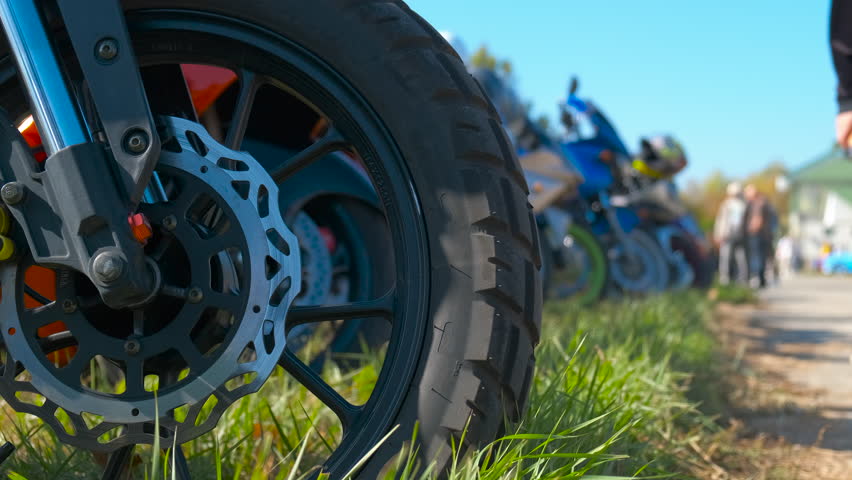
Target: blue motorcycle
x: 640, y: 187
x: 637, y: 264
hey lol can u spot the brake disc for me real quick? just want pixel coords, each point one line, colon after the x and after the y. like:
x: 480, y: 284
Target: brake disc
x: 229, y: 269
x: 316, y: 261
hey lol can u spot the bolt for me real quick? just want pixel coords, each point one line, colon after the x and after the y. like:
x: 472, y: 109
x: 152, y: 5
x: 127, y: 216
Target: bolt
x: 132, y: 347
x: 136, y: 141
x: 107, y: 49
x: 69, y: 306
x: 12, y: 193
x: 169, y: 223
x: 108, y: 267
x: 194, y: 295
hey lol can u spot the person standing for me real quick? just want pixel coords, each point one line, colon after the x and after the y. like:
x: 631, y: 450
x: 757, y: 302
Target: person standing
x: 758, y: 222
x: 786, y: 257
x: 841, y: 51
x: 728, y: 235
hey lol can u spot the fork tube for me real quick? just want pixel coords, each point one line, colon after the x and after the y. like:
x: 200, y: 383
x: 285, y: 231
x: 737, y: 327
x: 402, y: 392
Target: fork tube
x: 54, y: 108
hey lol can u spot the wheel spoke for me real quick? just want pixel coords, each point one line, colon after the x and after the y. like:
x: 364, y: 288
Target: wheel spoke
x: 133, y: 378
x: 139, y: 322
x: 118, y: 462
x: 170, y: 93
x: 162, y: 247
x: 249, y: 84
x: 331, y: 142
x: 380, y: 307
x: 344, y: 410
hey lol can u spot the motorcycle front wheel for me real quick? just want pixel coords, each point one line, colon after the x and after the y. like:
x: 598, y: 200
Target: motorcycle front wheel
x: 464, y: 308
x: 639, y: 267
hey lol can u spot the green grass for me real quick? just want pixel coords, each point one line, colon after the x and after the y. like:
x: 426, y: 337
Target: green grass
x: 735, y: 294
x: 611, y: 398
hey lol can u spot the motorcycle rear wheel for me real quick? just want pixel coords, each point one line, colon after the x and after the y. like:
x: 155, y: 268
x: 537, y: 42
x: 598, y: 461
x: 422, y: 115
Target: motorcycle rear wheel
x: 564, y: 283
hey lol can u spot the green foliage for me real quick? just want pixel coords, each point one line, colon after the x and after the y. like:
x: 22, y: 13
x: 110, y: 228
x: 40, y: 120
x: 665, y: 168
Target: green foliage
x: 483, y: 58
x: 736, y: 294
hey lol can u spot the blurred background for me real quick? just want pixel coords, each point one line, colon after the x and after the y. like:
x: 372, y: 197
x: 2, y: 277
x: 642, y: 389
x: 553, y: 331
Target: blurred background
x: 747, y: 87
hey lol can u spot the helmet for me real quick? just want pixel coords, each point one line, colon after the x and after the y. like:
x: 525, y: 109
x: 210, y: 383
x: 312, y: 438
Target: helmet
x: 660, y: 157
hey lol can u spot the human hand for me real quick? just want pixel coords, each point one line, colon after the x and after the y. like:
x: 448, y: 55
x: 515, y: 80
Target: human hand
x: 843, y: 129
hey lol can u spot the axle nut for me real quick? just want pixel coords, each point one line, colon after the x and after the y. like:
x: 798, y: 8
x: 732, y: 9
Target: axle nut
x: 108, y: 267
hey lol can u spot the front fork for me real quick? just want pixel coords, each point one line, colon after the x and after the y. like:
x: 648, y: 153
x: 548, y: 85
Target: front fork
x: 74, y: 212
x: 53, y: 107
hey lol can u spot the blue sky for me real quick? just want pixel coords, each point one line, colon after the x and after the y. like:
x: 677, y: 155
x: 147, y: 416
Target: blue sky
x: 740, y: 82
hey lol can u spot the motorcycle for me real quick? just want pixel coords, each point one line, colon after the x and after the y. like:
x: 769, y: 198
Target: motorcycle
x: 648, y: 184
x: 143, y: 234
x: 637, y: 264
x: 573, y: 262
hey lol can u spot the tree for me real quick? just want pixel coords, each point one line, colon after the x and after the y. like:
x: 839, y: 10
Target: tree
x: 483, y: 58
x: 703, y: 198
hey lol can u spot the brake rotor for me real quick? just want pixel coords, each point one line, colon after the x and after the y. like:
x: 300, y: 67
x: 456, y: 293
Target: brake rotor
x: 228, y: 268
x: 316, y: 261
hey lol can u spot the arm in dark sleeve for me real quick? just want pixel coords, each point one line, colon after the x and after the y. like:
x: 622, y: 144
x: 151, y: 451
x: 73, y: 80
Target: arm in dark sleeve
x: 841, y: 50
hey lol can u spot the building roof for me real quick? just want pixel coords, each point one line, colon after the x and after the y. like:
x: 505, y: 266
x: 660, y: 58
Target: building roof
x: 832, y: 170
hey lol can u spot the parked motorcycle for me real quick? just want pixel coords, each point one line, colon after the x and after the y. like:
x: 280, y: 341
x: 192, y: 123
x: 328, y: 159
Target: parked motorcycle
x: 143, y: 235
x: 573, y: 262
x: 647, y: 180
x: 636, y: 262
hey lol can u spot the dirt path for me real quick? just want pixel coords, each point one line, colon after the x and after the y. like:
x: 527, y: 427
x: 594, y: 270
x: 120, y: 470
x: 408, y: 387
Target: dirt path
x: 796, y: 350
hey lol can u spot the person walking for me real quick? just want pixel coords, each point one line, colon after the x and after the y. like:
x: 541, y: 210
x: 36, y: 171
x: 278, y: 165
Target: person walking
x: 728, y: 236
x: 758, y: 222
